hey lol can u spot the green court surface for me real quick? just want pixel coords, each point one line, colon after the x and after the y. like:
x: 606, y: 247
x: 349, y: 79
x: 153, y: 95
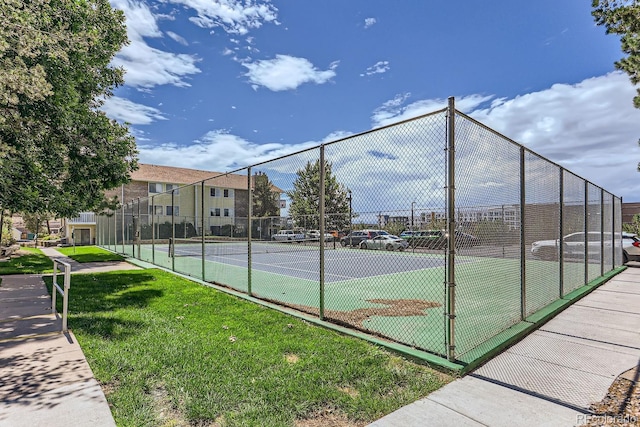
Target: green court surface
x: 404, y: 306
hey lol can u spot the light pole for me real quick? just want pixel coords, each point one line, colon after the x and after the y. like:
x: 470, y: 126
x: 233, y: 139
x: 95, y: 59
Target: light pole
x: 412, y: 204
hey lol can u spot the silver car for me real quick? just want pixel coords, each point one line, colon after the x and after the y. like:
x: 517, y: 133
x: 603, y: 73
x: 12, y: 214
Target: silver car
x: 573, y: 246
x: 387, y: 242
x: 315, y: 235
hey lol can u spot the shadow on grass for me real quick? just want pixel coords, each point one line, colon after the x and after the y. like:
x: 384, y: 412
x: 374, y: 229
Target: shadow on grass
x: 97, y: 302
x: 95, y: 257
x: 104, y: 327
x: 108, y: 292
x: 27, y: 264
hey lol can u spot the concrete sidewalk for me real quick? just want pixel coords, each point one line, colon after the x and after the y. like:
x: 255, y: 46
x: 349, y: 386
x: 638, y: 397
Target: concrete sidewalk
x: 552, y: 376
x: 45, y: 378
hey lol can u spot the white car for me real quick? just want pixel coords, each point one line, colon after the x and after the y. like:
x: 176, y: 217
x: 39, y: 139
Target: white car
x: 630, y: 247
x: 388, y: 242
x: 315, y: 235
x: 573, y: 246
x: 288, y: 236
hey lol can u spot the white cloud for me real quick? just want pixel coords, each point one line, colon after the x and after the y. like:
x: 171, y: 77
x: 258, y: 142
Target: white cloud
x: 218, y: 151
x: 145, y: 66
x: 368, y: 22
x: 394, y: 111
x: 233, y: 16
x: 591, y: 128
x: 124, y: 110
x: 177, y: 38
x: 379, y: 67
x: 563, y: 117
x: 286, y: 73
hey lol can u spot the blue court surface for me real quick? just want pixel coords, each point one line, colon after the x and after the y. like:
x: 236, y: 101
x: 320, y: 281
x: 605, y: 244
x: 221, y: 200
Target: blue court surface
x: 303, y: 261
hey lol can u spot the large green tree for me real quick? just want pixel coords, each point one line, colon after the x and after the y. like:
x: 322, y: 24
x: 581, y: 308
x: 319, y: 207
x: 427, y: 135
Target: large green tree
x: 622, y: 17
x: 265, y: 200
x: 58, y: 152
x: 33, y: 222
x: 305, y: 198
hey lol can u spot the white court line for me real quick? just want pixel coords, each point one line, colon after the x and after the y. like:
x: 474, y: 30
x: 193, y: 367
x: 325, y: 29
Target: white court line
x: 316, y: 271
x: 359, y: 255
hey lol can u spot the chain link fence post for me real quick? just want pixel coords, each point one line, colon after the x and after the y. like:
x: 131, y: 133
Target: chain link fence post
x: 249, y: 227
x: 523, y: 248
x: 115, y: 230
x: 321, y: 224
x: 613, y: 233
x: 586, y: 231
x: 153, y: 231
x: 604, y: 233
x: 123, y: 222
x: 136, y: 233
x: 451, y: 227
x: 202, y: 228
x: 560, y: 240
x: 173, y: 232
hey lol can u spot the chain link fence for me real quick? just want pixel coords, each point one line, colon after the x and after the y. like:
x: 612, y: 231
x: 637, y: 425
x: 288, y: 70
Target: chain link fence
x: 437, y: 232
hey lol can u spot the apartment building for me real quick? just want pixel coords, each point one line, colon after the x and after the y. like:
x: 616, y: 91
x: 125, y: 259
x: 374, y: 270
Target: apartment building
x: 166, y: 191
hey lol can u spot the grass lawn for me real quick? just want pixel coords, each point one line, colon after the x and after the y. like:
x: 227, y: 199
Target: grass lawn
x: 89, y: 254
x: 171, y: 352
x: 29, y: 261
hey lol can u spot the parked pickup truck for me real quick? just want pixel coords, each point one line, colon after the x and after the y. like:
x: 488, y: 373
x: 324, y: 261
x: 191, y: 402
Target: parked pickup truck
x: 288, y: 235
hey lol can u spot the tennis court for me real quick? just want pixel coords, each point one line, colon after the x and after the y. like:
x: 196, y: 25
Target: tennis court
x: 302, y: 260
x: 397, y: 295
x: 441, y: 171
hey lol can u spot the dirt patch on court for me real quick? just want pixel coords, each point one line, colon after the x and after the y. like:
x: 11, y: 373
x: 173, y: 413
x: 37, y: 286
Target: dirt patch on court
x: 394, y: 308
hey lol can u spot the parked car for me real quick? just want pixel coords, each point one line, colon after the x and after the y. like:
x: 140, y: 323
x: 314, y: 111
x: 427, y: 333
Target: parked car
x: 573, y: 246
x: 387, y: 242
x: 437, y: 239
x: 315, y: 235
x: 406, y: 234
x: 630, y: 247
x: 354, y: 238
x: 288, y: 236
x: 430, y: 239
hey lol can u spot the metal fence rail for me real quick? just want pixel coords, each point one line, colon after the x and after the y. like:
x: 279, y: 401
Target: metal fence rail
x: 494, y: 232
x: 63, y: 290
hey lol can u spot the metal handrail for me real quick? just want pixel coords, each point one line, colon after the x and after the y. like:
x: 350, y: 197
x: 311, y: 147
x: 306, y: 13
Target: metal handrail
x: 63, y: 291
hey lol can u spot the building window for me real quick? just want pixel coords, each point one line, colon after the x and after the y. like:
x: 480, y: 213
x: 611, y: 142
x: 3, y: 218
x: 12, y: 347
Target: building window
x: 226, y: 212
x: 175, y: 210
x: 170, y: 187
x: 226, y: 193
x: 155, y: 187
x: 155, y: 209
x: 215, y: 212
x: 212, y: 192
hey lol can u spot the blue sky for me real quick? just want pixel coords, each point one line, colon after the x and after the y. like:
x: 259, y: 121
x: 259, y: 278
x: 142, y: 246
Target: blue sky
x: 217, y: 85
